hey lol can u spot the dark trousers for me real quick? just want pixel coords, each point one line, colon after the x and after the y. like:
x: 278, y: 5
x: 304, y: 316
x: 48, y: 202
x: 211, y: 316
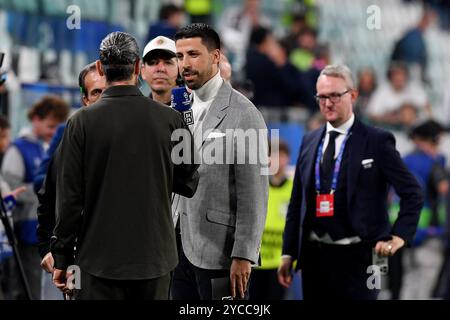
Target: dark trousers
x: 192, y: 283
x: 336, y: 271
x: 95, y: 288
x: 396, y: 274
x: 265, y: 285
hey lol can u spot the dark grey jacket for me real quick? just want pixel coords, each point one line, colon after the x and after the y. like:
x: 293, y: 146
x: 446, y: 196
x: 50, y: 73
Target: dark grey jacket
x: 114, y: 185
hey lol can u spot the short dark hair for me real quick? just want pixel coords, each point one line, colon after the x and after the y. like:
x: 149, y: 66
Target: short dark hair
x: 50, y: 106
x: 258, y: 35
x: 4, y: 123
x: 167, y: 10
x: 82, y: 76
x: 429, y: 130
x: 210, y: 38
x: 119, y: 52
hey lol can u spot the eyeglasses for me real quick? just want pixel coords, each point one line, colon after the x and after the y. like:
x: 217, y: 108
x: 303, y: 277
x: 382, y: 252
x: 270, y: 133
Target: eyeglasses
x: 334, y: 97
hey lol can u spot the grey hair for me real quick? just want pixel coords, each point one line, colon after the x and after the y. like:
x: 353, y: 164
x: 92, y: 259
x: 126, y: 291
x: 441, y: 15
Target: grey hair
x: 339, y: 71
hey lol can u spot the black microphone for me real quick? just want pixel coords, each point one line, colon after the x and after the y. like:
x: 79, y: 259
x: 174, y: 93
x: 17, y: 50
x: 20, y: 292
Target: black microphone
x: 181, y: 101
x: 2, y: 75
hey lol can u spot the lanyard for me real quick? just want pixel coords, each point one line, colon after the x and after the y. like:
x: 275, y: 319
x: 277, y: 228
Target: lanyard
x: 337, y: 164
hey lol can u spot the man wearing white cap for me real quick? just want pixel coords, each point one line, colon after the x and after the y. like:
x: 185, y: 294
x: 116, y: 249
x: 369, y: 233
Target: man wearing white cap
x: 159, y: 68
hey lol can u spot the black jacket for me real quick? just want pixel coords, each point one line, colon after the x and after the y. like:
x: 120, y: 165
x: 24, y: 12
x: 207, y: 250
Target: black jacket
x: 114, y: 183
x: 46, y: 209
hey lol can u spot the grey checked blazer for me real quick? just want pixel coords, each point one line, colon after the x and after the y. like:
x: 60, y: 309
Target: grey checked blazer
x: 225, y: 218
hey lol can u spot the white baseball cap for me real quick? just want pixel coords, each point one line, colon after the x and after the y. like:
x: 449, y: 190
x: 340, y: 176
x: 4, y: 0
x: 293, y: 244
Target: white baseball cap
x: 160, y: 43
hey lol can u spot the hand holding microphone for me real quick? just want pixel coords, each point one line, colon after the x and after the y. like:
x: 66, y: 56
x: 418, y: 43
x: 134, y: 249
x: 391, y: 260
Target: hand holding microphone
x: 181, y: 101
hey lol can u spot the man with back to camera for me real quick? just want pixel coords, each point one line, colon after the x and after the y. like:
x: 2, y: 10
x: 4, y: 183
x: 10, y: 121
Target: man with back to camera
x: 222, y: 225
x: 338, y: 208
x: 114, y: 185
x: 91, y: 87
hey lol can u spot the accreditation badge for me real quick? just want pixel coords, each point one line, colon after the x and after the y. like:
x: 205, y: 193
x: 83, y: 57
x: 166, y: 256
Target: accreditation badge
x: 325, y: 205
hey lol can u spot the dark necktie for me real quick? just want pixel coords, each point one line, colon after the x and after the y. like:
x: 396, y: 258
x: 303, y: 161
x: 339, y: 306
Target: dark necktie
x: 328, y: 160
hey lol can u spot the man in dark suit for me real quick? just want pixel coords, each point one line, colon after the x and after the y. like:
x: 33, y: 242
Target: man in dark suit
x: 114, y: 183
x: 338, y: 209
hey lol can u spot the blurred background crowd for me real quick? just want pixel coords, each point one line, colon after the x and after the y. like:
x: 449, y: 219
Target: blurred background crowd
x: 397, y: 49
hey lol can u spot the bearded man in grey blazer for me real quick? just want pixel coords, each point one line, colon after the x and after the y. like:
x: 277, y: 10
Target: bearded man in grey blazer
x: 222, y: 225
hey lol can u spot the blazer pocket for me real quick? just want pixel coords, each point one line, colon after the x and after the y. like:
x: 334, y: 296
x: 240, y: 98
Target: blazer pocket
x: 221, y: 217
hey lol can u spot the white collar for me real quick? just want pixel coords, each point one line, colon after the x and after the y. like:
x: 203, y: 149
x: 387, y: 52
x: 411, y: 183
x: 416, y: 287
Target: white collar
x: 209, y: 90
x: 343, y: 128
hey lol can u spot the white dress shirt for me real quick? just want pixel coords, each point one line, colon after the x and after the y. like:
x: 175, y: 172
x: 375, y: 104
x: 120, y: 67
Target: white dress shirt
x: 343, y: 130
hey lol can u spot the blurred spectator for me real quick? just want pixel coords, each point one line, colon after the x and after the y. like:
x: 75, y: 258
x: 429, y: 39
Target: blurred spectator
x: 5, y: 249
x: 19, y: 167
x: 411, y: 48
x: 5, y: 136
x: 225, y: 68
x: 367, y: 83
x: 316, y: 121
x: 171, y: 17
x: 407, y: 115
x: 322, y: 56
x: 3, y: 98
x: 303, y: 56
x: 386, y: 103
x: 6, y: 252
x: 235, y: 27
x: 309, y: 58
x: 199, y: 10
x: 308, y: 79
x: 275, y: 80
x: 296, y: 27
x: 446, y: 105
x: 443, y: 9
x: 428, y: 166
x: 265, y: 285
x: 245, y: 87
x: 444, y: 278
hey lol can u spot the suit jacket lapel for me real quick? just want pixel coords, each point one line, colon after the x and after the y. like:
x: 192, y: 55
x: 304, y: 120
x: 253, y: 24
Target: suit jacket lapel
x: 217, y: 111
x: 311, y: 151
x: 356, y: 146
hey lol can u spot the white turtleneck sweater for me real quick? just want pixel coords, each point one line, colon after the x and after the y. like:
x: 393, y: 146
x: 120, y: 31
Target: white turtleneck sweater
x: 203, y: 99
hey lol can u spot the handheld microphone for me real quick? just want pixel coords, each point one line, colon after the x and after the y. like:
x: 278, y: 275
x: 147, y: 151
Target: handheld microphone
x: 2, y: 75
x: 181, y: 101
